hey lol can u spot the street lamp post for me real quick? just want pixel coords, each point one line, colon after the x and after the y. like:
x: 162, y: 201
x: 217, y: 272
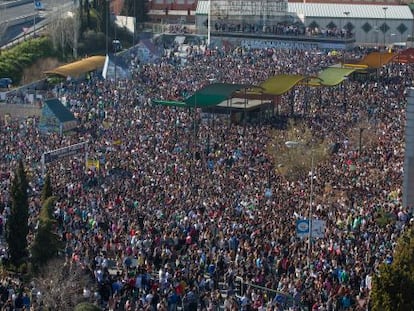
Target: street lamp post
x: 361, y: 129
x: 107, y: 25
x: 209, y: 25
x: 296, y: 144
x: 34, y: 19
x: 310, y: 210
x: 346, y: 35
x: 385, y: 21
x: 135, y: 23
x: 346, y: 18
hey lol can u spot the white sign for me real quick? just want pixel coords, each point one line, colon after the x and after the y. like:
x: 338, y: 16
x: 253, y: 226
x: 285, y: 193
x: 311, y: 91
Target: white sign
x: 318, y: 228
x: 56, y: 154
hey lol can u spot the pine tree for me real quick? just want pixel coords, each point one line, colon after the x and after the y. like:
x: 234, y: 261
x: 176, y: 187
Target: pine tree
x: 47, y: 242
x: 17, y: 227
x: 393, y: 287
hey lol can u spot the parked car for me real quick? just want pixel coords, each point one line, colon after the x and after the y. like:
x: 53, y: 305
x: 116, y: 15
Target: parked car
x: 5, y: 83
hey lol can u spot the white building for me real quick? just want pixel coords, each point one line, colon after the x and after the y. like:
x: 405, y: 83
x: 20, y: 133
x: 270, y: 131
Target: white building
x: 371, y: 24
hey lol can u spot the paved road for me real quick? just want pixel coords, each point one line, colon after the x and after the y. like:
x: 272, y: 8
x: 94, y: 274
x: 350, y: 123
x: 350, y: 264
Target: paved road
x: 28, y: 8
x: 7, y: 14
x: 14, y: 31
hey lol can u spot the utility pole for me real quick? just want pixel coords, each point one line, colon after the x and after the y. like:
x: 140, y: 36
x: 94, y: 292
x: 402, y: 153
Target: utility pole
x: 34, y: 19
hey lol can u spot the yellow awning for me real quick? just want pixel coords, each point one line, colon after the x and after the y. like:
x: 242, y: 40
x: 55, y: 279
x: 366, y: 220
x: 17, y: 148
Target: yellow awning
x: 377, y: 59
x: 280, y: 84
x: 78, y: 68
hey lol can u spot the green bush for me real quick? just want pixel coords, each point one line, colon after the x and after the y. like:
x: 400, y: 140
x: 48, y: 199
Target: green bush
x: 384, y: 218
x: 86, y: 306
x: 13, y: 60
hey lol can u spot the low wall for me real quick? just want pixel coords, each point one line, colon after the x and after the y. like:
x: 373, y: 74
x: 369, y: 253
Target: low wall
x: 19, y: 111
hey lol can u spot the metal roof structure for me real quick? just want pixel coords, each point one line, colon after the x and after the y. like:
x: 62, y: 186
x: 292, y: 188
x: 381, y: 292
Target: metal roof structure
x: 62, y: 113
x: 202, y: 7
x: 337, y: 10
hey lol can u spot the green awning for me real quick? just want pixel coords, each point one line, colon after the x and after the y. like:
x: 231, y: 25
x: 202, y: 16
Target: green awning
x: 210, y: 95
x: 213, y: 94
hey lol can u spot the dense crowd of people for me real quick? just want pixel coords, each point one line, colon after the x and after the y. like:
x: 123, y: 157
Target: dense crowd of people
x: 282, y: 29
x: 185, y: 208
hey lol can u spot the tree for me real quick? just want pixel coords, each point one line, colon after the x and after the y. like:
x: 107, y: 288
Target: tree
x: 394, y: 285
x: 47, y: 242
x: 47, y: 190
x: 137, y: 9
x: 58, y: 31
x: 294, y: 163
x: 61, y: 285
x: 17, y: 227
x: 101, y: 8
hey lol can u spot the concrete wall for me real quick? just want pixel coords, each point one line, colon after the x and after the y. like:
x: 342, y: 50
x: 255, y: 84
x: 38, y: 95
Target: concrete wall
x: 408, y: 180
x: 19, y: 111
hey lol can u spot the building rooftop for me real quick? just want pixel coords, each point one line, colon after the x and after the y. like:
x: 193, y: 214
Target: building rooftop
x: 336, y: 10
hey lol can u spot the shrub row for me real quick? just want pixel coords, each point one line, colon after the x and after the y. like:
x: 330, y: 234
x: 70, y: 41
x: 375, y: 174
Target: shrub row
x: 14, y: 60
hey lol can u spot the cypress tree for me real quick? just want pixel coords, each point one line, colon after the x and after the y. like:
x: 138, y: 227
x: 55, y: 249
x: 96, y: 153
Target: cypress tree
x: 46, y: 243
x: 47, y: 189
x: 17, y: 227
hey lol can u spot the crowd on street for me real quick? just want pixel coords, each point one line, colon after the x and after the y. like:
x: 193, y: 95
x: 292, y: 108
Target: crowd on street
x: 183, y: 208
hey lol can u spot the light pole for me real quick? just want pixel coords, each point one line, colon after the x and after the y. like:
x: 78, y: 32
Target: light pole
x: 135, y: 23
x: 385, y: 21
x: 115, y: 46
x: 296, y: 144
x: 346, y: 35
x: 361, y: 129
x: 209, y: 24
x: 107, y: 25
x: 346, y: 18
x: 34, y: 19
